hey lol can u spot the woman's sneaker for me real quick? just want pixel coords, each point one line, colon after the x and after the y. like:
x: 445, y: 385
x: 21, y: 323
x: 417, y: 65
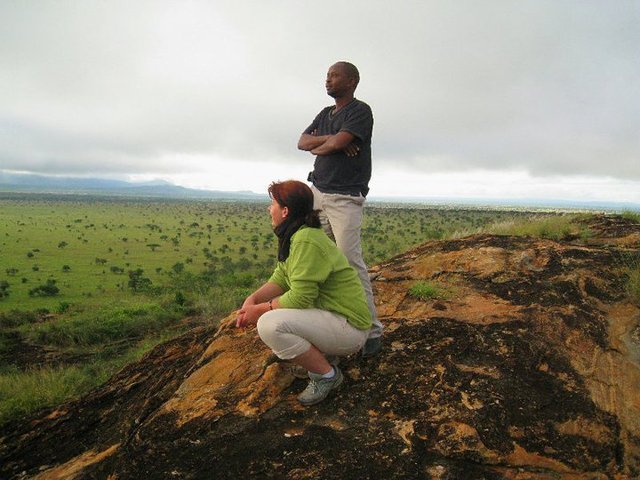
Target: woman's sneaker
x: 319, y: 387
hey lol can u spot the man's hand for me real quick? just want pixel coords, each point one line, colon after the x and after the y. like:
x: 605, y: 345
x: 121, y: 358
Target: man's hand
x: 352, y: 150
x: 309, y: 141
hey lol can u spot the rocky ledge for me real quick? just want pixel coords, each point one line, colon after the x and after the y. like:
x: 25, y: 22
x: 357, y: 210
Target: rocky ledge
x: 524, y: 364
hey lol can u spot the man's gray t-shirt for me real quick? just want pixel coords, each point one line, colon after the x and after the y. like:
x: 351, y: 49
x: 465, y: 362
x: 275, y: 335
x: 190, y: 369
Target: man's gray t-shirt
x: 339, y: 173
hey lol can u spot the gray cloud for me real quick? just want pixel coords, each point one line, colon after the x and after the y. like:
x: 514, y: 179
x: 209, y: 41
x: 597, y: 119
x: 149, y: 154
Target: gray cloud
x: 119, y: 87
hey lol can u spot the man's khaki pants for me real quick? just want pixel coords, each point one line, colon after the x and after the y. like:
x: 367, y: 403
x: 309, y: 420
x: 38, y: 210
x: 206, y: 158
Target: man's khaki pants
x: 341, y: 218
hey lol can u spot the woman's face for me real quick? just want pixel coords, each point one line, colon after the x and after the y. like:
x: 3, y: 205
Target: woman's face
x: 278, y: 213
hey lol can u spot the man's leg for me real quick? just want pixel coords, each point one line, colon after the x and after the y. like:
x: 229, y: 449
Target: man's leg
x: 341, y: 219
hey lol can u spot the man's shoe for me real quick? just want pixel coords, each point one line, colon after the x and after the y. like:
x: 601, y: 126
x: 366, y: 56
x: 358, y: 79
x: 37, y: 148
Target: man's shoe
x: 372, y: 347
x: 319, y: 387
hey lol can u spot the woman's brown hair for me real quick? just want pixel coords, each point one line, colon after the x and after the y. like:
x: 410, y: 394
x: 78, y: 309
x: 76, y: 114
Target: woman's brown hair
x: 298, y: 198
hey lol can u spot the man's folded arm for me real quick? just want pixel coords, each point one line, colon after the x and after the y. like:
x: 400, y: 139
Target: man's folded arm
x: 334, y: 143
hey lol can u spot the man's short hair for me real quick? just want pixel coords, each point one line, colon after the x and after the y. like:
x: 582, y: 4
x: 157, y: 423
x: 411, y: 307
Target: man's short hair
x: 351, y: 71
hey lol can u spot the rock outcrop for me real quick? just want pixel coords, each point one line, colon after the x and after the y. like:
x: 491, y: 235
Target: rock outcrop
x: 526, y: 366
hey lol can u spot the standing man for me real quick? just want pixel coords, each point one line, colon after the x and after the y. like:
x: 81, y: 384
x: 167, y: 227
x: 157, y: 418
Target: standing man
x: 340, y: 138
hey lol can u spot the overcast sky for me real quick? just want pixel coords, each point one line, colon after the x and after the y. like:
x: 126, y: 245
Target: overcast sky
x: 521, y: 98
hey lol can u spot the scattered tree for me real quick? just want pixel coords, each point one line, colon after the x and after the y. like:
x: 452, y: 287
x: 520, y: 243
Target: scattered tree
x: 49, y: 289
x: 4, y: 289
x: 137, y: 282
x: 178, y: 267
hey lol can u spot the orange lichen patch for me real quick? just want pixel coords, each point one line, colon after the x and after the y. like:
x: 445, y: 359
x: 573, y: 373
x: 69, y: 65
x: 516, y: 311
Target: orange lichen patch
x: 530, y: 260
x: 74, y: 467
x: 483, y: 261
x: 471, y: 403
x: 387, y: 300
x: 333, y: 422
x: 473, y: 307
x: 235, y: 363
x: 438, y: 472
x: 585, y: 428
x: 57, y: 414
x: 482, y: 309
x: 613, y: 383
x: 404, y: 429
x: 294, y: 405
x: 486, y: 261
x: 311, y: 471
x: 354, y: 373
x: 520, y: 457
x: 480, y: 370
x: 629, y: 241
x: 172, y: 353
x: 264, y: 392
x: 612, y: 376
x: 391, y: 325
x: 623, y: 319
x: 456, y: 437
x: 411, y: 308
x: 429, y: 265
x: 294, y: 432
x: 586, y: 281
x: 584, y: 352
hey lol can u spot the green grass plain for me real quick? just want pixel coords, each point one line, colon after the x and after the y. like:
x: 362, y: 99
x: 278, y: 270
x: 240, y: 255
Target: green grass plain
x: 88, y: 245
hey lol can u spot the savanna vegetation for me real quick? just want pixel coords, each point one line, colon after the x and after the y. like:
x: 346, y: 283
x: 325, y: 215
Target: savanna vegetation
x: 88, y: 285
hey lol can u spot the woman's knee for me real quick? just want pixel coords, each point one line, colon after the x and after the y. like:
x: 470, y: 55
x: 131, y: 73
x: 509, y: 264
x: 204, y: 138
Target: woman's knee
x: 264, y: 328
x: 267, y: 326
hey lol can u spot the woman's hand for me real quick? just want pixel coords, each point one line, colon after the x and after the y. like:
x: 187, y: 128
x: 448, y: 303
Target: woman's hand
x: 248, y: 315
x: 248, y: 301
x: 255, y: 304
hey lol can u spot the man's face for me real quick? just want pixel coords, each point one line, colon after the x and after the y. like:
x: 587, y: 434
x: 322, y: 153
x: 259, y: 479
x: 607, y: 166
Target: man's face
x: 338, y: 83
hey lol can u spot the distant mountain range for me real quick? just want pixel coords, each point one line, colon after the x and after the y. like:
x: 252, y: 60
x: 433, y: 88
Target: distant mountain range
x: 31, y: 183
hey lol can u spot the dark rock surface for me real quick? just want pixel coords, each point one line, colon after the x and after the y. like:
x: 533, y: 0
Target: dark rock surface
x: 527, y: 367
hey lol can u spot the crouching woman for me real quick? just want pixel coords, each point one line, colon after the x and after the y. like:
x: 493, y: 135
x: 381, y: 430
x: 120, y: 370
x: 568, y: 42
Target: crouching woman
x: 313, y: 305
